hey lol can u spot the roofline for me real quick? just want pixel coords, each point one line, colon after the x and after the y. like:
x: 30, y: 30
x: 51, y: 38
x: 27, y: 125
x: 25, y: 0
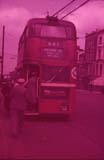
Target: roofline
x: 96, y: 32
x: 44, y: 20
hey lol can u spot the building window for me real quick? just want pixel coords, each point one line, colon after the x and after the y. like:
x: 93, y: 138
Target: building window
x: 100, y: 69
x: 96, y: 69
x: 99, y: 53
x: 103, y: 53
x: 100, y: 40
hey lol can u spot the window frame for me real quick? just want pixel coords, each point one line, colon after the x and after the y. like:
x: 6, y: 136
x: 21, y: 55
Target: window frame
x: 65, y: 27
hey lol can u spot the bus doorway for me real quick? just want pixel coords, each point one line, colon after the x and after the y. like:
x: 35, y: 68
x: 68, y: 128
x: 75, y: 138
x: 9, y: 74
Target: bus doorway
x: 32, y: 90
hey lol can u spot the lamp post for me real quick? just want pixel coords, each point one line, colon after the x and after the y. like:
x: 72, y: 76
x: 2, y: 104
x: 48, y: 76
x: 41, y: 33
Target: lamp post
x: 2, y: 55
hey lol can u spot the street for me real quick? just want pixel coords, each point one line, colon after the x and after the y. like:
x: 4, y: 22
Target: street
x: 78, y: 138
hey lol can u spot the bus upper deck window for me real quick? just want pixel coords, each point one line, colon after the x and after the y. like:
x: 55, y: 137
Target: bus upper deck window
x: 31, y: 30
x: 34, y: 30
x: 53, y: 31
x: 37, y: 29
x: 27, y: 32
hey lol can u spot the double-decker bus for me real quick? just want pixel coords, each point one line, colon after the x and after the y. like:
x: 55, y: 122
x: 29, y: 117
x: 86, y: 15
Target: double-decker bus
x: 48, y: 45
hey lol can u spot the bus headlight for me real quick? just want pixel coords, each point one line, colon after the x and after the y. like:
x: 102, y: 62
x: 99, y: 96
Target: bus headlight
x: 64, y: 107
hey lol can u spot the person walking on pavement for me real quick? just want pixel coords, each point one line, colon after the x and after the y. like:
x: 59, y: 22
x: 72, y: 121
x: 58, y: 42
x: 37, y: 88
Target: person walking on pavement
x: 1, y: 102
x: 6, y: 92
x: 31, y: 92
x: 17, y: 107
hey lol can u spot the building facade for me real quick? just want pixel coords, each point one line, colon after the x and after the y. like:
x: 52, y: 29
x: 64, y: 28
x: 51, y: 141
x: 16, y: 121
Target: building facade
x: 94, y: 55
x: 90, y: 54
x: 99, y: 68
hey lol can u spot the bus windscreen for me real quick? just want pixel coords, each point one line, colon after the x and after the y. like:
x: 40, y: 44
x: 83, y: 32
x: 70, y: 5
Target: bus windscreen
x: 58, y: 74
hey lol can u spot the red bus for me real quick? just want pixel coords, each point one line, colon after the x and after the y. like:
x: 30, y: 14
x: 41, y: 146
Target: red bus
x: 49, y: 46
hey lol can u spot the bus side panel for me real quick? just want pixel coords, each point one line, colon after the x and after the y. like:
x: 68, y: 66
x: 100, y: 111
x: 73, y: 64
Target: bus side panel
x: 71, y: 51
x: 51, y: 106
x: 33, y: 49
x: 72, y: 99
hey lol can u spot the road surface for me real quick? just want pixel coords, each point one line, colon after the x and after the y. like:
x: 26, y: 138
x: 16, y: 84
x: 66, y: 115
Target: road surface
x: 82, y: 137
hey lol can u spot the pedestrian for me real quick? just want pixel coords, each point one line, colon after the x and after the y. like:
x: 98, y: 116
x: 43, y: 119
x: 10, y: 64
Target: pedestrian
x: 31, y: 92
x: 6, y: 92
x: 17, y: 107
x: 1, y: 102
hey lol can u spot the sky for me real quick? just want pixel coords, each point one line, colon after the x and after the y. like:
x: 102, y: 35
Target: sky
x: 14, y: 14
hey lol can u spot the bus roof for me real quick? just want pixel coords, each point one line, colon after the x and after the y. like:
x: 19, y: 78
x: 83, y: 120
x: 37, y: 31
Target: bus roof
x: 50, y: 21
